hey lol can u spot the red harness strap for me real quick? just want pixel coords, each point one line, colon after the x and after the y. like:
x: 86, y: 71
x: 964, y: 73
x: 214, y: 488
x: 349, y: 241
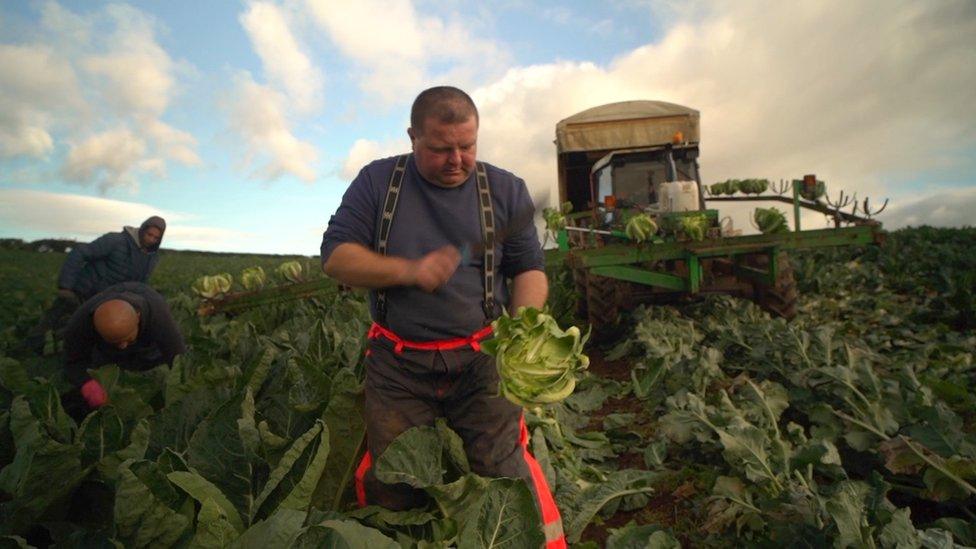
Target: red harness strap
x: 376, y: 331
x: 552, y: 522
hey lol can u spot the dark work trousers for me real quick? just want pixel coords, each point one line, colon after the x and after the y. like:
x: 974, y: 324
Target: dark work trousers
x: 414, y: 387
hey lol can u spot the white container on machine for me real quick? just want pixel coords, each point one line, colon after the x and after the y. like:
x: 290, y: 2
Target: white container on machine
x: 678, y: 196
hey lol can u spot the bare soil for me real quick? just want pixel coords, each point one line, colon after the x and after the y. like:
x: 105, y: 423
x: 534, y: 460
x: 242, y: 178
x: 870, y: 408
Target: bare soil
x: 668, y: 504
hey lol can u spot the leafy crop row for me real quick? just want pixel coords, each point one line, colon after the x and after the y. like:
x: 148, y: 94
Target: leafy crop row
x: 852, y: 425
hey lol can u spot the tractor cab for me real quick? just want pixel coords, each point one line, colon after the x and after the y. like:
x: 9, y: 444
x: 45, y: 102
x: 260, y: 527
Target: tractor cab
x: 645, y: 179
x: 621, y: 154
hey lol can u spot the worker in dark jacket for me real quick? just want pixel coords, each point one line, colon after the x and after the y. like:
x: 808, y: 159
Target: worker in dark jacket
x: 129, y: 255
x: 128, y: 324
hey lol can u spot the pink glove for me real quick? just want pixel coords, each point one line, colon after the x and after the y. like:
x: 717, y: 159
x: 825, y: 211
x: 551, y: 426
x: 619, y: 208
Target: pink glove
x: 94, y: 394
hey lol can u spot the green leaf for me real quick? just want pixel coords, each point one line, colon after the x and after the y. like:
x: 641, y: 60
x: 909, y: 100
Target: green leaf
x: 153, y: 475
x: 647, y: 536
x: 173, y: 426
x: 733, y: 504
x: 347, y: 437
x: 950, y: 479
x: 453, y: 446
x: 42, y: 472
x: 506, y: 517
x: 45, y: 406
x: 214, y: 530
x: 540, y: 451
x: 962, y: 530
x: 847, y: 508
x: 14, y: 542
x: 279, y: 530
x: 220, y: 450
x: 899, y: 458
x: 293, y: 480
x: 101, y: 433
x: 141, y: 519
x: 269, y: 439
x: 344, y: 534
x: 578, y: 513
x: 13, y: 376
x: 310, y: 387
x: 258, y: 373
x: 203, y: 491
x: 107, y: 443
x: 413, y: 458
x: 461, y: 499
x: 127, y: 393
x: 900, y: 533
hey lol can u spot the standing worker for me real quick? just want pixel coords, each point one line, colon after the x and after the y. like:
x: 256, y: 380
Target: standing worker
x: 126, y: 256
x: 436, y: 235
x: 128, y: 324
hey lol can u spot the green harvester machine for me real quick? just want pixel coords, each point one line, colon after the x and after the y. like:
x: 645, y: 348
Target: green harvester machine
x: 636, y: 225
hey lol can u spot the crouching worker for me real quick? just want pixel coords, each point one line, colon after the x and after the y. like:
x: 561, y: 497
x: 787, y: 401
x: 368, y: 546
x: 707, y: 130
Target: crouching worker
x: 130, y: 255
x: 434, y: 235
x: 128, y: 324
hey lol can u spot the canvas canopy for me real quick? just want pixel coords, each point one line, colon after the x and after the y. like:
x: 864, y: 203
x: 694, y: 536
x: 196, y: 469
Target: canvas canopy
x: 625, y: 125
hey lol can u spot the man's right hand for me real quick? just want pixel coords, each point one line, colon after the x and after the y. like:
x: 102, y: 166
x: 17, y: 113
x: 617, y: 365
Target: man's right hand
x: 434, y: 269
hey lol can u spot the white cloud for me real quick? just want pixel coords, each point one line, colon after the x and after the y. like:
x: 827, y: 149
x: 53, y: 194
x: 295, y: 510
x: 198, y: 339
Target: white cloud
x: 940, y: 208
x: 86, y: 217
x: 174, y: 144
x: 91, y: 91
x: 365, y: 151
x: 135, y: 73
x: 64, y: 26
x: 133, y: 81
x: 38, y: 214
x: 36, y: 85
x: 371, y: 30
x: 258, y: 115
x: 783, y: 90
x: 284, y: 61
x: 395, y: 48
x: 109, y: 159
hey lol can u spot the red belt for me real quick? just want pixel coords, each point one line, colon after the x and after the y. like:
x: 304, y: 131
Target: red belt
x: 376, y: 331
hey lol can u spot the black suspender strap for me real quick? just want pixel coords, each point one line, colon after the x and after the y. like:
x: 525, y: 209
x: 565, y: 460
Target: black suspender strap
x: 487, y: 217
x: 488, y: 235
x: 386, y: 221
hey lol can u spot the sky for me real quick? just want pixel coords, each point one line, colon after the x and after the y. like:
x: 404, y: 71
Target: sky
x: 242, y: 123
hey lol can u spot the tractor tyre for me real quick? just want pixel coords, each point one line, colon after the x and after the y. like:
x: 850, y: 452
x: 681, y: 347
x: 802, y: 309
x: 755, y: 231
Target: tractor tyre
x: 780, y: 299
x: 579, y: 286
x: 604, y: 299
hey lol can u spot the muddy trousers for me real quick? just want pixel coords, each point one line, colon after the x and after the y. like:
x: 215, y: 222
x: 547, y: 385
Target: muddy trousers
x: 413, y: 388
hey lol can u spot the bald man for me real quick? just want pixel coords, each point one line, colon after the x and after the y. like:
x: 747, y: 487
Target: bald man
x: 128, y: 324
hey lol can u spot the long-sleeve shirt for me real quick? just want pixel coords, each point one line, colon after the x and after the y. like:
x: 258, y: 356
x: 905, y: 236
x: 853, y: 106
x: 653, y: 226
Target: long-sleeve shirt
x: 429, y: 217
x: 159, y: 340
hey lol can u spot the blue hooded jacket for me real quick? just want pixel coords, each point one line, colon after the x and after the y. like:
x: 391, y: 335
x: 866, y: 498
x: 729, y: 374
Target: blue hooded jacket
x: 110, y: 259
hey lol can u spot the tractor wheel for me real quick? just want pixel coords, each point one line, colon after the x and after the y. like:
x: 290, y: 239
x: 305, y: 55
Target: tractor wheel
x: 603, y: 305
x: 579, y: 286
x: 781, y: 299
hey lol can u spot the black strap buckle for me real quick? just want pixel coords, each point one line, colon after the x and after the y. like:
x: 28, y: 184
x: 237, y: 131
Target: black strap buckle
x: 489, y: 306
